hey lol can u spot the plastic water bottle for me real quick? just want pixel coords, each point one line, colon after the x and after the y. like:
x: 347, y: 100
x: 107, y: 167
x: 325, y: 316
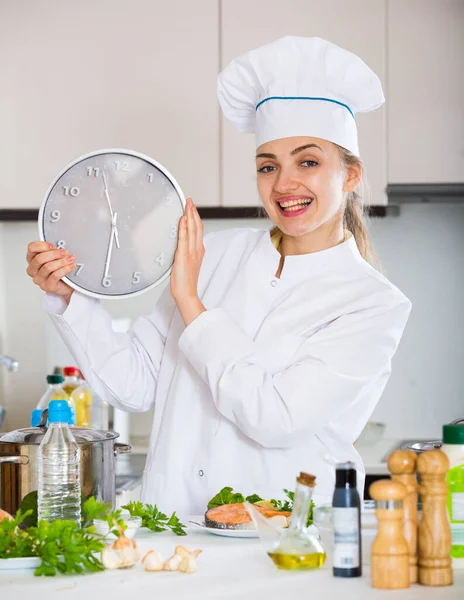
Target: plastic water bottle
x: 59, y: 494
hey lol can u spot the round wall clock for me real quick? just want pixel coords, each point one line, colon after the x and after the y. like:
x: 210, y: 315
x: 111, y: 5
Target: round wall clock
x: 117, y: 211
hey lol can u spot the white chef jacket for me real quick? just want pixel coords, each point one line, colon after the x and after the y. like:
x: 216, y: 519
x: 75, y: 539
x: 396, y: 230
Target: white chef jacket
x: 278, y: 376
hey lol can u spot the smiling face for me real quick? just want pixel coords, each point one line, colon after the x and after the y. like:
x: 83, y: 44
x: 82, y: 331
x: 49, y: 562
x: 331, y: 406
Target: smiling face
x: 302, y: 184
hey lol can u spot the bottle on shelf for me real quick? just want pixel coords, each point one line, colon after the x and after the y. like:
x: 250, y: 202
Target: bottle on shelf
x: 100, y: 414
x: 59, y: 488
x: 453, y: 447
x: 71, y: 379
x: 36, y: 416
x: 55, y: 391
x: 298, y: 547
x: 346, y: 523
x: 82, y: 398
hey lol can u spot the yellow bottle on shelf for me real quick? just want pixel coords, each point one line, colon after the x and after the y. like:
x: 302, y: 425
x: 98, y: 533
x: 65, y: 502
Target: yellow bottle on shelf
x: 82, y: 398
x: 71, y: 379
x: 55, y: 391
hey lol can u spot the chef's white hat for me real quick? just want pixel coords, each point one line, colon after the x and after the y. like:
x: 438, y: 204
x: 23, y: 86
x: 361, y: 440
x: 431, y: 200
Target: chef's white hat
x: 299, y: 86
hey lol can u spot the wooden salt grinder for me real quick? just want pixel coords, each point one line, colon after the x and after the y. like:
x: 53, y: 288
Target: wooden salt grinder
x: 434, y: 529
x: 402, y: 466
x: 389, y: 553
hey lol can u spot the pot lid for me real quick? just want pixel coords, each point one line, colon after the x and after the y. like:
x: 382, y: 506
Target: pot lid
x: 34, y: 435
x: 422, y: 446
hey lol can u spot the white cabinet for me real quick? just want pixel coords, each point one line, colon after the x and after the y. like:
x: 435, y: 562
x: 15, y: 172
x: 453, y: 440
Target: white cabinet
x: 358, y: 26
x: 80, y: 76
x: 425, y: 91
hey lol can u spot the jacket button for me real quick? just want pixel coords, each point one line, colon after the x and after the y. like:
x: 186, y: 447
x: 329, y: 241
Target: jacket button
x: 273, y: 283
x: 200, y: 473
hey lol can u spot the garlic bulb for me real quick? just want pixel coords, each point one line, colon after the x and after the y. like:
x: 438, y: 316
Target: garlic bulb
x: 152, y: 561
x: 188, y: 564
x: 124, y: 542
x: 172, y: 563
x: 122, y: 554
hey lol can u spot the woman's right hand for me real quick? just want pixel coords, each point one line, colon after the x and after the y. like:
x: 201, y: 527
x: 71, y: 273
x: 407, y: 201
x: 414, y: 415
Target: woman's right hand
x: 47, y: 266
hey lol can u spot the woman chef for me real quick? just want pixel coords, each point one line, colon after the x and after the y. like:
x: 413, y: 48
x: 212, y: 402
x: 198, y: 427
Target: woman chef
x: 270, y: 350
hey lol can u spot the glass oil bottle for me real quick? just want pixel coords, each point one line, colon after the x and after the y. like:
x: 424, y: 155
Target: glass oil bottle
x: 298, y: 547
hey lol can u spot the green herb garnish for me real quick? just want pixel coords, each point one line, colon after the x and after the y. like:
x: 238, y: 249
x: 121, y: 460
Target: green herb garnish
x: 154, y: 519
x: 228, y: 496
x: 62, y: 546
x: 287, y: 506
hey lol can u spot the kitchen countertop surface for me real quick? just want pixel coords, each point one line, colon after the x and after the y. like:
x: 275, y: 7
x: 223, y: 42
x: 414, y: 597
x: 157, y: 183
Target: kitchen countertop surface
x: 228, y: 568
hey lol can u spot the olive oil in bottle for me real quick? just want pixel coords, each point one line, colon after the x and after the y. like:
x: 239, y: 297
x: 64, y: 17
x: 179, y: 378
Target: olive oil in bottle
x: 295, y: 561
x: 298, y: 548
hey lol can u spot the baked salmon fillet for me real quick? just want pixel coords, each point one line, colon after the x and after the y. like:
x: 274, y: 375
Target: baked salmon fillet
x: 236, y: 516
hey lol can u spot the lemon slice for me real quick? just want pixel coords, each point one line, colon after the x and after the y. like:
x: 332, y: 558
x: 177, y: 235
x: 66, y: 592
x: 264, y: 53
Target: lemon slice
x: 265, y: 504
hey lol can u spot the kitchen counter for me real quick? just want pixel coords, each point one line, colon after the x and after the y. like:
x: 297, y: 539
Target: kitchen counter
x: 228, y: 568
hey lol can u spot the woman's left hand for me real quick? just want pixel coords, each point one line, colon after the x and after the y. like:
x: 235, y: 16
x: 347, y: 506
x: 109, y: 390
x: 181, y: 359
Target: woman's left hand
x: 187, y: 264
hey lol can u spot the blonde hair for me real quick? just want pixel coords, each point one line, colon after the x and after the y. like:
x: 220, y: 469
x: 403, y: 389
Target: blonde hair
x: 354, y: 212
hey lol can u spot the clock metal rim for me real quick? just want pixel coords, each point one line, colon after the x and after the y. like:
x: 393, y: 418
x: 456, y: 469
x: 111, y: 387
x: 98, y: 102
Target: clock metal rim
x: 157, y: 165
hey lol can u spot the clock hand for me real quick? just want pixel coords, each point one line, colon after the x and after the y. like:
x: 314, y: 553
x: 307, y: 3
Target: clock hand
x: 110, y: 246
x: 110, y: 207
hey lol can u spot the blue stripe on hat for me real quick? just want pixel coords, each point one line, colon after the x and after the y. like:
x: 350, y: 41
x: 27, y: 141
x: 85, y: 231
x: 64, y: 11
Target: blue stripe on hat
x: 305, y: 98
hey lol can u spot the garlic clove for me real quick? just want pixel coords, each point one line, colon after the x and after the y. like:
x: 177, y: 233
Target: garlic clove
x: 110, y: 558
x: 152, y: 561
x: 184, y: 552
x: 172, y: 563
x: 187, y: 565
x: 129, y: 556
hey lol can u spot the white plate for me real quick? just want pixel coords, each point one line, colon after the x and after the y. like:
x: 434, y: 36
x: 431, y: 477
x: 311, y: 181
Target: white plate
x: 30, y: 562
x: 198, y: 522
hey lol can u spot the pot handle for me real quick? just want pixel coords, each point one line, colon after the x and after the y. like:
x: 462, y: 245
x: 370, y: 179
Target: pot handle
x: 22, y: 460
x: 121, y: 448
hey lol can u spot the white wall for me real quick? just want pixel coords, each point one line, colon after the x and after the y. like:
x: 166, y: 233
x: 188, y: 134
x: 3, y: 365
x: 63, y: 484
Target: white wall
x: 421, y: 251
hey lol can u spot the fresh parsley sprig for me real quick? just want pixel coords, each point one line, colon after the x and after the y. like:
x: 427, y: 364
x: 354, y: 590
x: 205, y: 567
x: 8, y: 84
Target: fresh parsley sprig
x: 154, y: 519
x: 65, y: 548
x: 16, y: 542
x: 62, y: 546
x: 287, y: 506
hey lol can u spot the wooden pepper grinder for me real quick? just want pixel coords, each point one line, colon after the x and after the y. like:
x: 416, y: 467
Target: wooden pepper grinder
x: 402, y: 466
x: 434, y: 529
x: 390, y: 552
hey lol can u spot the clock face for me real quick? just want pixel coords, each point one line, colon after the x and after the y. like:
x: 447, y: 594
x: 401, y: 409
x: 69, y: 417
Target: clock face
x: 117, y: 211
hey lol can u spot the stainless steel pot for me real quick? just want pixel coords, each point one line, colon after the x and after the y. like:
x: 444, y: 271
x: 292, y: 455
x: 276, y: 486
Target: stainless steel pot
x: 2, y: 416
x: 19, y: 464
x: 420, y: 447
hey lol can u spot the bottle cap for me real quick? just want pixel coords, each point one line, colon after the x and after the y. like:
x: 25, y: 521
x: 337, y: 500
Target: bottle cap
x: 71, y: 372
x: 58, y: 411
x: 55, y: 379
x: 345, y: 475
x: 453, y: 434
x: 36, y: 415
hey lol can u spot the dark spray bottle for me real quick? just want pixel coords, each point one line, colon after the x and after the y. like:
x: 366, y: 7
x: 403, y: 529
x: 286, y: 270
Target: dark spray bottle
x: 346, y: 523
